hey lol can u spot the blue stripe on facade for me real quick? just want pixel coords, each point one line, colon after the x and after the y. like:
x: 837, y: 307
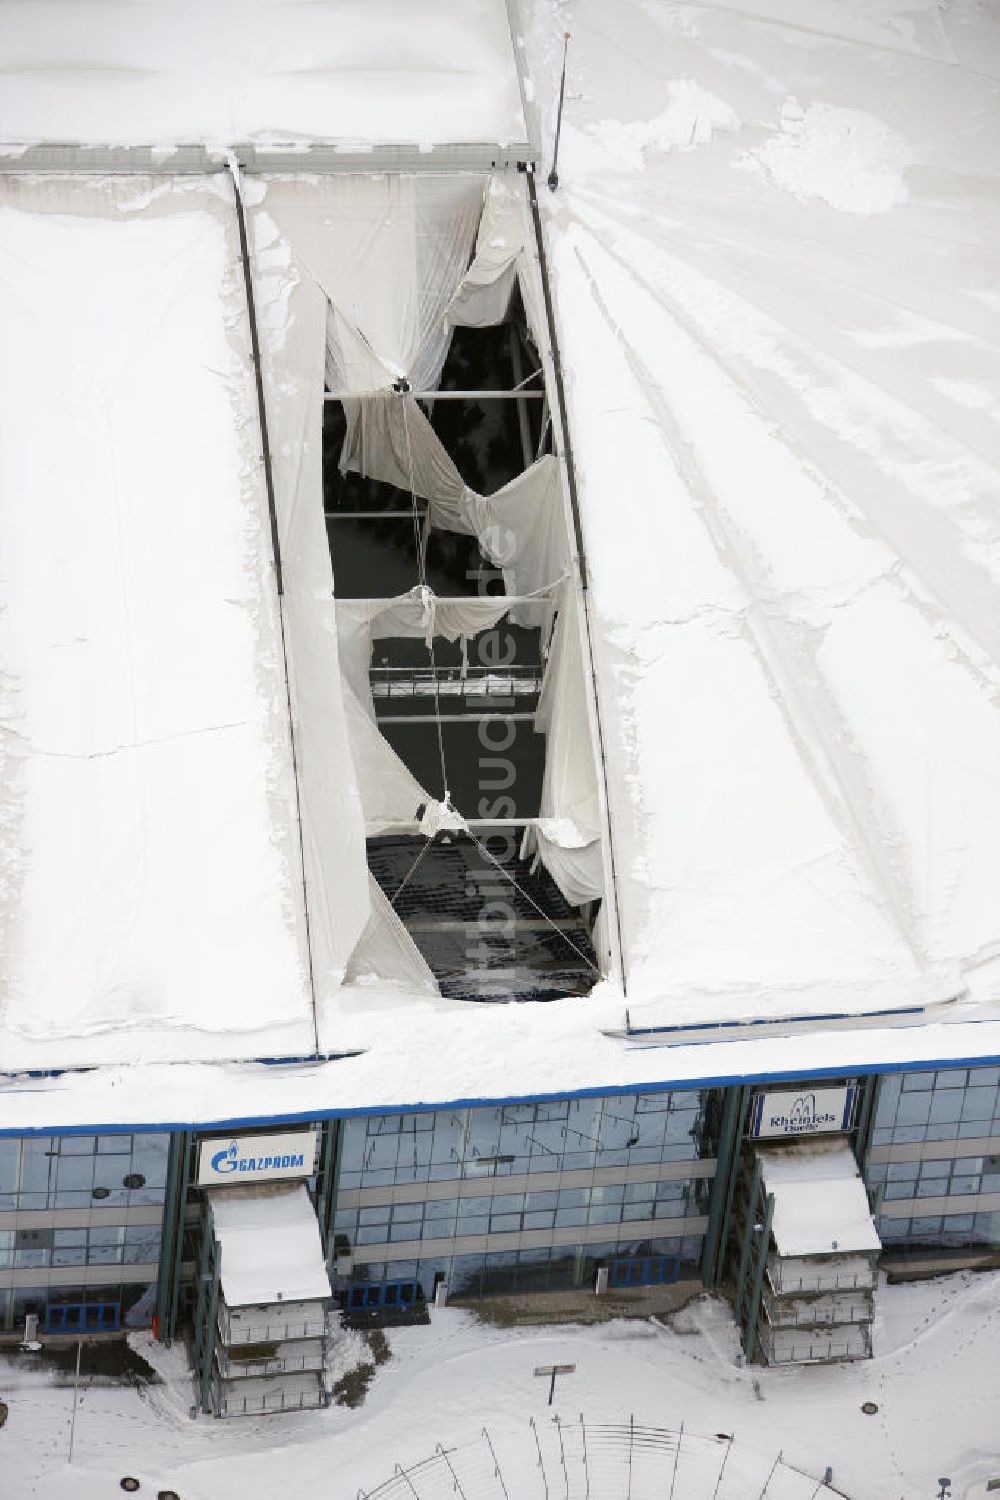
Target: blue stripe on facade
x: 721, y: 1080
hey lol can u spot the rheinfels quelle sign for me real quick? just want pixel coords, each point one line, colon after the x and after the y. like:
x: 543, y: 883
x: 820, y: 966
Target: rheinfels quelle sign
x: 802, y: 1112
x: 256, y: 1158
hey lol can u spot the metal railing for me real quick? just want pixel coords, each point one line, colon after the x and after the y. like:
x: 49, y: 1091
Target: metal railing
x: 273, y: 1331
x: 391, y: 684
x: 583, y: 1460
x: 269, y: 1364
x: 817, y: 1348
x: 784, y: 1312
x: 271, y: 1403
x: 785, y: 1282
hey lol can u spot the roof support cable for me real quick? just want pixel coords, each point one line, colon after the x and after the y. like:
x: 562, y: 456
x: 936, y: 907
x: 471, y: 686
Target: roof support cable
x: 234, y: 172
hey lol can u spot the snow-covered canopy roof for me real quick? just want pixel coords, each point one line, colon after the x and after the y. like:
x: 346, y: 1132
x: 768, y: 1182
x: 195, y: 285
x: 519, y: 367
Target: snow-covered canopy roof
x: 150, y: 901
x: 270, y: 1246
x: 167, y: 72
x: 820, y: 1202
x: 774, y: 270
x: 775, y: 254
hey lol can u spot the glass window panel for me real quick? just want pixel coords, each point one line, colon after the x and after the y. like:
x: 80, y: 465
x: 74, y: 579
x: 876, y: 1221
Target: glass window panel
x: 981, y: 1076
x: 467, y: 1207
x: 604, y: 1213
x: 149, y: 1157
x: 507, y: 1203
x: 904, y: 1171
x: 568, y: 1216
x: 39, y: 1158
x: 640, y: 1192
x: 935, y: 1168
x: 637, y: 1210
x: 70, y: 1255
x: 503, y: 1223
x: 477, y: 1225
x: 405, y: 1231
x: 979, y: 1104
x: 142, y: 1244
x: 537, y: 1201
x: 353, y: 1147
x: 10, y: 1151
x: 443, y: 1208
x: 965, y: 1184
x: 574, y: 1197
x: 952, y: 1078
x: 114, y: 1145
x: 540, y: 1219
x: 914, y: 1109
x: 379, y: 1214
x: 381, y: 1152
x: 890, y: 1088
x: 76, y: 1145
x: 407, y: 1213
x: 916, y: 1081
x: 372, y: 1234
x: 75, y: 1174
x: 946, y: 1106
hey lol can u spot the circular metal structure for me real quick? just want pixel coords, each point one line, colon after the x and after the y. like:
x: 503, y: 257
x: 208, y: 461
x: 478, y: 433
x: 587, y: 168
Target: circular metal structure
x: 602, y: 1461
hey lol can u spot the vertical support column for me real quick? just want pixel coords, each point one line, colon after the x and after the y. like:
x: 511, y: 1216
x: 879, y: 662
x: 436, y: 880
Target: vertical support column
x: 868, y: 1092
x: 727, y: 1165
x: 329, y: 1172
x: 206, y: 1312
x: 172, y: 1241
x: 746, y: 1245
x: 761, y: 1240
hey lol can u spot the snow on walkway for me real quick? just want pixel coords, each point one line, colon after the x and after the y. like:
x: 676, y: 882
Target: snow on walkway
x: 934, y: 1379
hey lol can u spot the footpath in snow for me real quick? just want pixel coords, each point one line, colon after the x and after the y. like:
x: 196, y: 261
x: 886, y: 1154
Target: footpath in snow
x: 934, y: 1381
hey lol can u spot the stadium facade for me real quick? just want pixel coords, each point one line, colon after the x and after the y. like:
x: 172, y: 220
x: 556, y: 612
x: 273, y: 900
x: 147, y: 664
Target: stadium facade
x: 340, y: 959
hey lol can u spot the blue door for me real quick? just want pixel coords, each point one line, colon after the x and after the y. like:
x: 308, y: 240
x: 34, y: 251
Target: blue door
x: 645, y: 1270
x: 82, y: 1317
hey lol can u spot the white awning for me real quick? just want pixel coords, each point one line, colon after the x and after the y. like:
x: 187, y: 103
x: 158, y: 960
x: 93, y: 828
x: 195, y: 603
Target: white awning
x: 820, y: 1203
x: 270, y: 1245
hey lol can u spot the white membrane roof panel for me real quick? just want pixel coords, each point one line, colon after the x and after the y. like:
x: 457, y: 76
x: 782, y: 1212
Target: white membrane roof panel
x: 775, y: 255
x: 357, y: 72
x: 270, y: 1245
x: 150, y: 899
x: 820, y: 1202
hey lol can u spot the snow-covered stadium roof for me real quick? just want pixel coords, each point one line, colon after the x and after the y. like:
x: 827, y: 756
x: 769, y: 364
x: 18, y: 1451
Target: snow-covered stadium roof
x: 774, y: 269
x: 178, y: 72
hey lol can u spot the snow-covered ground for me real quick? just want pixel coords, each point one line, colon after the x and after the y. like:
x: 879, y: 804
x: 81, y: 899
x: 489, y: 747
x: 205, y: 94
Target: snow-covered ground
x: 934, y: 1378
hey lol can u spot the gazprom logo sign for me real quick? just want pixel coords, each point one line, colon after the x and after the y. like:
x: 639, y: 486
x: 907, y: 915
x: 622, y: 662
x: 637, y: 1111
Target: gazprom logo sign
x: 802, y: 1112
x: 256, y: 1158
